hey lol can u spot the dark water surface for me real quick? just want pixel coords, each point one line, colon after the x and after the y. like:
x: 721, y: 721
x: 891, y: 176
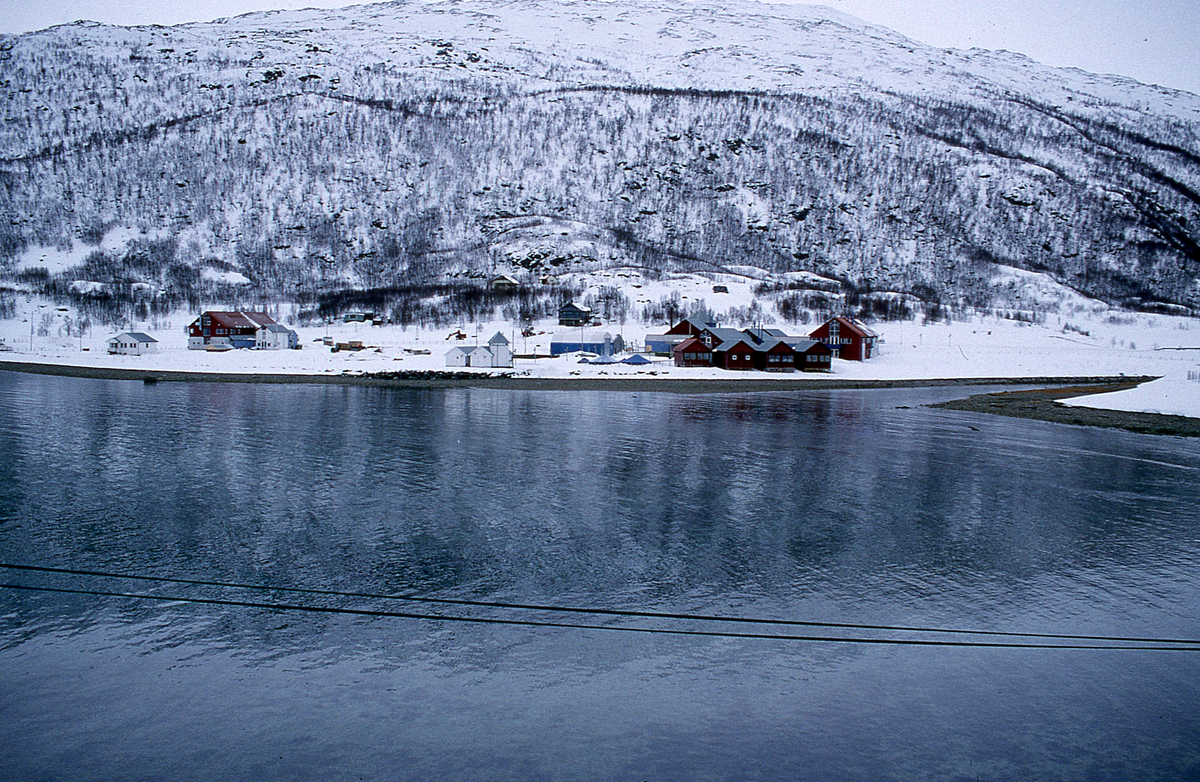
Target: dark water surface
x: 845, y: 506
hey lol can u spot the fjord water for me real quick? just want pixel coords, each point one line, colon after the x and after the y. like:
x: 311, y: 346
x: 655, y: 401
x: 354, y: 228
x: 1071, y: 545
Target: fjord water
x: 842, y: 506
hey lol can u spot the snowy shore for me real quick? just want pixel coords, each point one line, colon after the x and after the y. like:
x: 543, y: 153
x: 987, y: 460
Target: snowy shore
x: 980, y: 350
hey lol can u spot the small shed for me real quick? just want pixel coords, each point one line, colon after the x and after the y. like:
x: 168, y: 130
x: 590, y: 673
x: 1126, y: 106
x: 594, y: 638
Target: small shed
x: 132, y: 343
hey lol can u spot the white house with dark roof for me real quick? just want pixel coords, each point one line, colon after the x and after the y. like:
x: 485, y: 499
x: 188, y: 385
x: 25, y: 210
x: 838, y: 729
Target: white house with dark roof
x: 274, y: 336
x: 132, y: 343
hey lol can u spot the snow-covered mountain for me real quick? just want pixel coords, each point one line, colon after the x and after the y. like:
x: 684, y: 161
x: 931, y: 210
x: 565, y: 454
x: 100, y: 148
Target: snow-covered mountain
x: 399, y: 144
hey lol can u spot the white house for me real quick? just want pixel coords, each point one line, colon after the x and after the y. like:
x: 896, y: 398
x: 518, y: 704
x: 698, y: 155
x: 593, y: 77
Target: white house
x: 132, y: 343
x: 501, y: 353
x: 273, y: 336
x: 495, y: 354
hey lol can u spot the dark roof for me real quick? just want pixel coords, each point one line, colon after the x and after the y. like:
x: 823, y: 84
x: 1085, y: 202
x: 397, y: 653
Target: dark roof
x: 725, y: 335
x: 763, y: 334
x: 636, y: 358
x: 768, y: 345
x: 803, y: 344
x: 241, y: 320
x: 691, y: 343
x: 137, y: 336
x: 498, y: 339
x: 730, y: 344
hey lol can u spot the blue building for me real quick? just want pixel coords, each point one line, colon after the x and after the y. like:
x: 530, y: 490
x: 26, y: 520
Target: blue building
x: 597, y: 341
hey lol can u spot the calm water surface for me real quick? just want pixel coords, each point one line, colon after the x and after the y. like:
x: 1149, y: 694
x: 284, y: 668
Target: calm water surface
x: 846, y: 506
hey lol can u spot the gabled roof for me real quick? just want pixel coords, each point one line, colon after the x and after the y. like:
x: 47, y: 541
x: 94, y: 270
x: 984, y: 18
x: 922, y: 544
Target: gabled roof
x: 730, y: 344
x: 240, y: 320
x: 135, y: 336
x: 570, y: 305
x: 498, y: 339
x: 852, y: 324
x: 759, y: 335
x: 766, y: 346
x: 723, y: 335
x: 802, y: 344
x: 690, y: 344
x: 277, y: 328
x: 695, y: 324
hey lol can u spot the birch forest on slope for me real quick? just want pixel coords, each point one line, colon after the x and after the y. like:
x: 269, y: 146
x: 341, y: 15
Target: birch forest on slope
x: 403, y: 153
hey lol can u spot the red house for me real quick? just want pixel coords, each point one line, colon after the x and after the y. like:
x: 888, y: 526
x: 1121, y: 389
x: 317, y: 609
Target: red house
x: 847, y: 338
x: 228, y: 329
x: 737, y: 354
x: 775, y: 356
x: 692, y: 352
x: 812, y: 356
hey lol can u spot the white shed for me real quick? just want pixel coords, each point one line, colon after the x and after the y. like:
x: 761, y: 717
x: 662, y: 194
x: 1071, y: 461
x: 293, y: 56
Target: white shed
x: 132, y: 343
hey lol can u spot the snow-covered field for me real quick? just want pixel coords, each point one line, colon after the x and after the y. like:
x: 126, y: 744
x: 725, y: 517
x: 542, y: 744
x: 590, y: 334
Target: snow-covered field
x: 1108, y: 343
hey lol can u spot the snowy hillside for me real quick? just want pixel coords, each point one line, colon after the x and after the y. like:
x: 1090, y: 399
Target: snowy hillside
x: 413, y: 149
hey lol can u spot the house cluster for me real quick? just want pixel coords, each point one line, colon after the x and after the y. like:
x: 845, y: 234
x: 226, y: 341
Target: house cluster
x: 226, y: 330
x: 696, y: 343
x: 496, y: 353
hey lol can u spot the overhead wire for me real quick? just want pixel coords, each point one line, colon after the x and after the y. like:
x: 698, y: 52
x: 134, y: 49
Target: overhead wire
x: 1084, y: 641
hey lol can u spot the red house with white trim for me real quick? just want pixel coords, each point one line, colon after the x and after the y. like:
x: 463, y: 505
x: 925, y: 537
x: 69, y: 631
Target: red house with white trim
x: 227, y: 329
x: 848, y: 338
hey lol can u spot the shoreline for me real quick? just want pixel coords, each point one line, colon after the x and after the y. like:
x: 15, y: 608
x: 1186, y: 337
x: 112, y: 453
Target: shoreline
x: 1043, y: 405
x: 509, y: 381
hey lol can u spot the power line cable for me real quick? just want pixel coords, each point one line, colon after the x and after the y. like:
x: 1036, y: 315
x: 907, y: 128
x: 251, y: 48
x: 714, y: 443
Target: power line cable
x: 581, y: 626
x: 609, y: 611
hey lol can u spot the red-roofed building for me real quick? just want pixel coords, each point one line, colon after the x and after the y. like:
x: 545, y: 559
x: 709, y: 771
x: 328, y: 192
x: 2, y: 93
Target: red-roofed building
x: 226, y: 329
x: 692, y: 352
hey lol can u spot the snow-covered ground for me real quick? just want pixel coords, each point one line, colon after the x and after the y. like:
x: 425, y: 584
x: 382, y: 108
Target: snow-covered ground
x: 980, y: 347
